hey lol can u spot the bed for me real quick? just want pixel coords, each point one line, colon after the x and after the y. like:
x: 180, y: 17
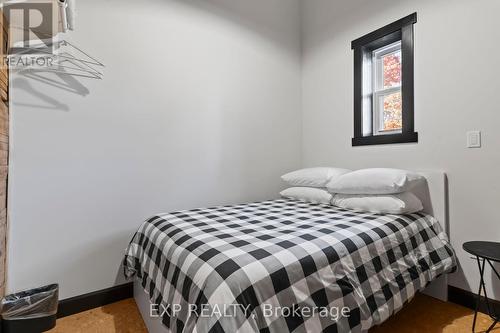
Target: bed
x: 287, y: 266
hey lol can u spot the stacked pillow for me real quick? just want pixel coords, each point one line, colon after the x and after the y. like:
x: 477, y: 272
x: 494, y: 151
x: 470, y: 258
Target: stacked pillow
x: 378, y: 190
x: 375, y: 181
x: 309, y: 194
x: 314, y: 177
x: 310, y: 184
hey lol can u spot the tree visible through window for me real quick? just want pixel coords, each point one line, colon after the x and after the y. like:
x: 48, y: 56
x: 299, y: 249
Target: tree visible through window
x: 392, y: 69
x: 392, y: 104
x: 393, y: 117
x: 388, y: 115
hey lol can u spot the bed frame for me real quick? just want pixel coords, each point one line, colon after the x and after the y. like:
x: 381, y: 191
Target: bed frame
x: 434, y: 197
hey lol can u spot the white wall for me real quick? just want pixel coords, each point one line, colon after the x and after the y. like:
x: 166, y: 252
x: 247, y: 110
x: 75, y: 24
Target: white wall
x: 456, y: 89
x: 200, y: 105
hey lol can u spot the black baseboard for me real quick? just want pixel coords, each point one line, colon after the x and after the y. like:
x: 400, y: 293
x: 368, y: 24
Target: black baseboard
x: 469, y: 299
x: 98, y: 298
x: 94, y: 299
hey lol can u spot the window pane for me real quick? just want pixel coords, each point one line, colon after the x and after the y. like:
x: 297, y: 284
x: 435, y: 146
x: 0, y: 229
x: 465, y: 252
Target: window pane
x: 392, y: 114
x: 392, y: 69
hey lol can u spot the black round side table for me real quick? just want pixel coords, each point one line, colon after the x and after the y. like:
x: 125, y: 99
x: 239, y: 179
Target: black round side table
x: 485, y: 252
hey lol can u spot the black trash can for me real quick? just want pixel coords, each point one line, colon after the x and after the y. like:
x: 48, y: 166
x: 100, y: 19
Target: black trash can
x: 30, y: 311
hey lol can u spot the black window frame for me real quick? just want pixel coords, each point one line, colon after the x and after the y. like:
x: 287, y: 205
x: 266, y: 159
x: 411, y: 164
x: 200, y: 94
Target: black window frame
x: 401, y: 30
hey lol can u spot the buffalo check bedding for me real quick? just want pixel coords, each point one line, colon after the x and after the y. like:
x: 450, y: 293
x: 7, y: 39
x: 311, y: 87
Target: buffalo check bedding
x: 284, y: 266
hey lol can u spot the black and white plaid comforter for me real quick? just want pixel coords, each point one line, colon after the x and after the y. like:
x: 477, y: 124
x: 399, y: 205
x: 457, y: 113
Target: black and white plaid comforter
x: 256, y: 267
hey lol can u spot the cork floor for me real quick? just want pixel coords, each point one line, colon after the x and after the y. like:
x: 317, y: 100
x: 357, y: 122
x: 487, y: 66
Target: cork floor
x: 423, y: 315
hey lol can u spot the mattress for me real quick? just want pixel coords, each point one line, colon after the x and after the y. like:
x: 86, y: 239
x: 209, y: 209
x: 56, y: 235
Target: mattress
x: 284, y: 266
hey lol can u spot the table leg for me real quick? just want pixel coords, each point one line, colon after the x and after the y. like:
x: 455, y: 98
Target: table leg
x: 493, y: 269
x: 481, y: 283
x: 491, y: 326
x: 482, y: 288
x: 493, y: 314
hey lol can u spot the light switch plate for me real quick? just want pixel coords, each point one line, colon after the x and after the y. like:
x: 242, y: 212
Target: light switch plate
x: 474, y: 139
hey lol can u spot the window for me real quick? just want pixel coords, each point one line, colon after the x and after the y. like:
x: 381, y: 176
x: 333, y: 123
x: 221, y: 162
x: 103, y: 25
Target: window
x: 383, y: 85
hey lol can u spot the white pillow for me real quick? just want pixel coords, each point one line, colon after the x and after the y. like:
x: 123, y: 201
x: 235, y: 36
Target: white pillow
x: 309, y: 194
x: 375, y: 181
x: 313, y: 177
x: 402, y: 203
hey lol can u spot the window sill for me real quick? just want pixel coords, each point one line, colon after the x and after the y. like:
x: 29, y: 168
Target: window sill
x: 385, y: 139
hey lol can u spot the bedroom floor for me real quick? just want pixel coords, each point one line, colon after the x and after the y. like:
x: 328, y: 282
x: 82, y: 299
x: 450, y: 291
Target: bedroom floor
x: 423, y: 314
